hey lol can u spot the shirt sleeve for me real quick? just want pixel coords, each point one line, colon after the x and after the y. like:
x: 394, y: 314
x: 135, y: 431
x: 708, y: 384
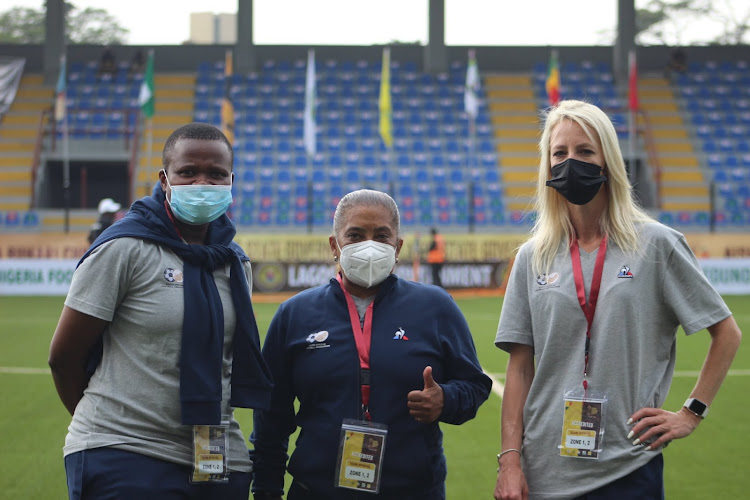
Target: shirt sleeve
x: 272, y: 428
x: 466, y: 386
x: 515, y: 326
x: 692, y: 298
x: 101, y: 281
x: 247, y: 266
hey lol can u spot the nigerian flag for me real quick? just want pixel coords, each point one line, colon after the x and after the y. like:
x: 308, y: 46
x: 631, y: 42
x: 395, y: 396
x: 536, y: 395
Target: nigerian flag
x: 146, y: 97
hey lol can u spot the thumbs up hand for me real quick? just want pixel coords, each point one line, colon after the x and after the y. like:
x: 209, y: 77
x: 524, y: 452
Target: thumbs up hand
x: 425, y: 406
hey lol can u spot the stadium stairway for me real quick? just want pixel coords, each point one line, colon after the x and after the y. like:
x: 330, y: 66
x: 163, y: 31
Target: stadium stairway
x: 18, y: 136
x: 174, y: 99
x: 683, y: 186
x: 515, y: 120
x: 18, y: 133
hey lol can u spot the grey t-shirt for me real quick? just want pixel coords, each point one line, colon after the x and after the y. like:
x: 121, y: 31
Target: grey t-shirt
x: 642, y: 300
x: 132, y: 401
x: 362, y: 305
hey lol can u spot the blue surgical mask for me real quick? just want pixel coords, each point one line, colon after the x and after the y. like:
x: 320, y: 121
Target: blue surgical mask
x: 198, y: 204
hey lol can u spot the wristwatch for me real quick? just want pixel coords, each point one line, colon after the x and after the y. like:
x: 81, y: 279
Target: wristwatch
x: 697, y: 406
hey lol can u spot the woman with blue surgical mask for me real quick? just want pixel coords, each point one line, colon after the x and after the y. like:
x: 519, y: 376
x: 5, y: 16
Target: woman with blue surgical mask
x: 376, y: 363
x: 157, y: 342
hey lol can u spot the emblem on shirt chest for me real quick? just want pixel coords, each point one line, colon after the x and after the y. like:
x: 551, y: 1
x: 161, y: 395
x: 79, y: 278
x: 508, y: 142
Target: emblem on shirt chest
x: 546, y: 281
x: 317, y: 340
x: 625, y: 272
x: 173, y: 277
x: 400, y: 335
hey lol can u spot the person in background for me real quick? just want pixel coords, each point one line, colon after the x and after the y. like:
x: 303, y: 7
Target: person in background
x: 157, y: 342
x: 107, y: 209
x: 137, y: 64
x: 677, y: 62
x: 365, y: 352
x: 436, y: 256
x: 107, y: 63
x: 590, y: 318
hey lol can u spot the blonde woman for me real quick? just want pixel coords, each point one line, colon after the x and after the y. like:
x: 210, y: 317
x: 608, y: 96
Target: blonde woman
x: 590, y: 319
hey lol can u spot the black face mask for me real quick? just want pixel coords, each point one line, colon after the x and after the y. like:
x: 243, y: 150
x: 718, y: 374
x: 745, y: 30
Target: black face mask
x: 576, y: 180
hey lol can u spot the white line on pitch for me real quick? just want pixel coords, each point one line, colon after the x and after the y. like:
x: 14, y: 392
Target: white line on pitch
x: 677, y: 373
x: 20, y: 370
x: 497, y: 386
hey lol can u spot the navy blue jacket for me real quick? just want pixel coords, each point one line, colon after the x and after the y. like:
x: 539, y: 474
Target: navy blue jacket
x: 324, y: 376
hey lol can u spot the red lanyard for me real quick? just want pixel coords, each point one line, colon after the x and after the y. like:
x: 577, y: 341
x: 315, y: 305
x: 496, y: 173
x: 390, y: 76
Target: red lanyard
x: 362, y: 337
x: 596, y: 280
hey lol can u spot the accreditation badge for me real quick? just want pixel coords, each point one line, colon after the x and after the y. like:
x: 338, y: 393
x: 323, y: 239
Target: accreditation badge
x: 360, y: 455
x: 583, y: 424
x: 210, y: 447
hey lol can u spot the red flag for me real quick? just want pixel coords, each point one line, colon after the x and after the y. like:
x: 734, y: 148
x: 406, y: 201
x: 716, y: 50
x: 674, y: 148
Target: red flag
x: 553, y: 80
x: 633, y: 82
x: 227, y: 108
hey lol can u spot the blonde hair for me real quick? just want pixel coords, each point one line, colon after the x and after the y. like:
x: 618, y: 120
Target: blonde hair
x: 552, y: 227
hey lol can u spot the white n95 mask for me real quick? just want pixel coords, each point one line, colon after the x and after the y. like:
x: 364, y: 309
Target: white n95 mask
x: 367, y: 263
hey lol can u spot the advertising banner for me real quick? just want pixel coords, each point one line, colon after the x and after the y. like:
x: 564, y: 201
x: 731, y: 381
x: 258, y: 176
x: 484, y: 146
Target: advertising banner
x: 36, y: 276
x: 300, y: 248
x: 53, y: 276
x: 276, y: 277
x: 728, y: 276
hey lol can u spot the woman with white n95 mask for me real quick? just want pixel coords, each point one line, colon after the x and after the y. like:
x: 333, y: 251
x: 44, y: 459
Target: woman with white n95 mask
x: 368, y: 263
x: 376, y: 362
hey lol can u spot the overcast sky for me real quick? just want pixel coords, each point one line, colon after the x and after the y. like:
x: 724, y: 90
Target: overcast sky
x: 360, y: 22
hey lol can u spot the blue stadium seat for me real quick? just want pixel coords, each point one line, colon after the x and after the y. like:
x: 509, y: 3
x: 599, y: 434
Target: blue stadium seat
x: 439, y: 176
x: 353, y: 176
x: 248, y: 176
x: 318, y: 177
x: 352, y: 161
x: 715, y: 161
x: 709, y: 146
x: 300, y: 175
x: 283, y: 174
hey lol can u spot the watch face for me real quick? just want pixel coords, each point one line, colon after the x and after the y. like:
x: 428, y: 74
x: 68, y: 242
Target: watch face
x: 697, y: 407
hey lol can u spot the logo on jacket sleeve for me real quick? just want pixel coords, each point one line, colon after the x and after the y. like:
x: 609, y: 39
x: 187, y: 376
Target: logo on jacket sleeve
x: 625, y: 272
x: 400, y: 335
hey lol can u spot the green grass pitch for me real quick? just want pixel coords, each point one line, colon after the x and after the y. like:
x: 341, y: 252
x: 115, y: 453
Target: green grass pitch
x: 712, y: 463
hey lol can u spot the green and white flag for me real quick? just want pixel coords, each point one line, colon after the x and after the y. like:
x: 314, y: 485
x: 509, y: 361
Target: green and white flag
x: 60, y: 93
x: 471, y: 91
x: 146, y: 97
